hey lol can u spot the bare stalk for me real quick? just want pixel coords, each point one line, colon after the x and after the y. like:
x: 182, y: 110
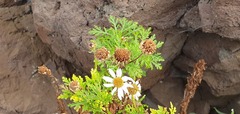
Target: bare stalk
x: 45, y: 71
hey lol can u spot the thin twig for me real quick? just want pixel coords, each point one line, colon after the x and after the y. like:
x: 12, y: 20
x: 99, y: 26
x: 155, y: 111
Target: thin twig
x: 135, y: 58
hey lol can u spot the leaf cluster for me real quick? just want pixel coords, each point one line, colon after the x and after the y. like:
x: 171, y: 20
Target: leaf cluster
x: 130, y: 109
x: 163, y: 110
x: 126, y: 34
x: 90, y: 97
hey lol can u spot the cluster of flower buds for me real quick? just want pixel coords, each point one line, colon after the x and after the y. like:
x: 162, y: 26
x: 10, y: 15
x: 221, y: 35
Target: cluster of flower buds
x: 122, y: 55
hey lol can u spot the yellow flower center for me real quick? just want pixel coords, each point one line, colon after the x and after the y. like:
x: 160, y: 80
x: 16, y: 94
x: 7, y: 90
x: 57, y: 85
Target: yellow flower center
x: 133, y: 90
x: 118, y: 82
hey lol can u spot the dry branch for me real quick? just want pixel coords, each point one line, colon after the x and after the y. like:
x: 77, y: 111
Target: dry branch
x: 192, y: 83
x: 45, y: 71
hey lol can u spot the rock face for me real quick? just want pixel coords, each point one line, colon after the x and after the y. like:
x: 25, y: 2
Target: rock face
x: 21, y: 52
x: 55, y: 33
x: 217, y: 16
x: 222, y: 58
x: 221, y: 17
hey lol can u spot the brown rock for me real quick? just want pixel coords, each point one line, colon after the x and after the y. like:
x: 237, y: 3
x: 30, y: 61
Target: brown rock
x: 221, y: 55
x: 184, y: 63
x: 170, y: 89
x: 161, y: 14
x: 191, y: 19
x: 21, y: 52
x: 221, y: 17
x: 199, y: 107
x: 9, y: 3
x: 218, y: 16
x: 235, y: 104
x: 64, y: 26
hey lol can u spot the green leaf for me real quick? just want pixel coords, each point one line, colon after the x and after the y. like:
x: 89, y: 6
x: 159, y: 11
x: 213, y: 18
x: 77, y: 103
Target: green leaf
x: 218, y: 111
x: 66, y: 80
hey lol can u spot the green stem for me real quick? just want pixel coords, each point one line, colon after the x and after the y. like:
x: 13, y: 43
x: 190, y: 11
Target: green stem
x: 134, y: 103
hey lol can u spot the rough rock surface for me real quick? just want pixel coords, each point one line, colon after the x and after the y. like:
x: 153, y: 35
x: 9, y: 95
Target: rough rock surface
x: 222, y: 58
x: 171, y: 89
x: 221, y: 17
x: 191, y: 19
x: 235, y: 104
x: 21, y: 52
x: 223, y: 71
x: 215, y: 16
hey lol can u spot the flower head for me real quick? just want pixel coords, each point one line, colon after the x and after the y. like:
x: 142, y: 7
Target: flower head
x: 122, y: 56
x: 102, y: 54
x: 44, y: 70
x: 134, y: 91
x: 118, y: 82
x: 74, y: 86
x: 148, y: 46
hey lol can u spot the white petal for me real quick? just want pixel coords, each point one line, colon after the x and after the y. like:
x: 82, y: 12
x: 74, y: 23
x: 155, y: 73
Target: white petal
x: 119, y: 72
x: 108, y: 85
x: 137, y: 82
x: 125, y: 90
x: 126, y: 78
x: 126, y: 85
x: 139, y: 87
x: 111, y: 73
x: 138, y: 94
x: 120, y: 93
x: 114, y: 90
x: 107, y: 79
x: 136, y: 97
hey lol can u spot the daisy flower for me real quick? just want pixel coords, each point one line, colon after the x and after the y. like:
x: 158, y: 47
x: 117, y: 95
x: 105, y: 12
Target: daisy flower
x: 134, y: 91
x: 118, y: 82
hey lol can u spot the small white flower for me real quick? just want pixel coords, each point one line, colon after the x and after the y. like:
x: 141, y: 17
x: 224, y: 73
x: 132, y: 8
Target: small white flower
x: 134, y: 91
x: 118, y: 82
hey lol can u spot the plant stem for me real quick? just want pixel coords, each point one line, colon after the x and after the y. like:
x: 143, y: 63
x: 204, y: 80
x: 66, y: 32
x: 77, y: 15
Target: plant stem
x: 192, y: 83
x: 136, y: 58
